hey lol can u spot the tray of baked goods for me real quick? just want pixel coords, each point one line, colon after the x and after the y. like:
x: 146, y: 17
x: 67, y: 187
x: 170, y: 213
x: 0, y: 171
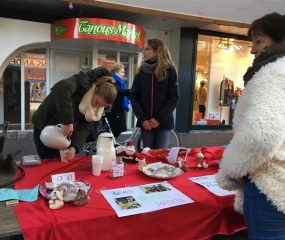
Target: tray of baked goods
x: 162, y: 171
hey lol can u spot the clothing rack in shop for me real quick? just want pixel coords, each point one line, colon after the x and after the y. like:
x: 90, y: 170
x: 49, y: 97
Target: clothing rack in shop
x: 226, y: 90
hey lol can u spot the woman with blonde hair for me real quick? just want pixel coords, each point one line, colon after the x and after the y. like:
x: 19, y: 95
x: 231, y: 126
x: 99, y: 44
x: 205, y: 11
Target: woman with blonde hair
x: 117, y: 116
x: 155, y: 94
x: 74, y: 103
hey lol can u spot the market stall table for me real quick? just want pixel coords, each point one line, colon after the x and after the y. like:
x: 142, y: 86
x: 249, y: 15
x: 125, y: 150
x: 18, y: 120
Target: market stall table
x: 209, y: 215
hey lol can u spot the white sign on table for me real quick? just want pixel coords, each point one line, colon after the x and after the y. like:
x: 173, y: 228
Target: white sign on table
x: 210, y: 183
x: 144, y: 198
x: 63, y: 177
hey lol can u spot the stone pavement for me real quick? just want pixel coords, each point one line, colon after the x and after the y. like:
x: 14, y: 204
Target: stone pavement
x: 19, y: 143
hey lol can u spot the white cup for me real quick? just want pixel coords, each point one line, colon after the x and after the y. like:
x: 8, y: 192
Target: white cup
x: 97, y: 161
x: 62, y: 155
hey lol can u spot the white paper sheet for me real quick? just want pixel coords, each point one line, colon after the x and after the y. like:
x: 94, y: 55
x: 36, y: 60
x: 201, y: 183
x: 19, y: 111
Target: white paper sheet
x: 63, y: 177
x: 144, y: 198
x: 210, y: 183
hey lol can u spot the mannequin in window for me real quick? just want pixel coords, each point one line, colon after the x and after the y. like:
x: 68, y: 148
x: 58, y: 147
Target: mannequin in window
x: 202, y: 98
x: 226, y: 91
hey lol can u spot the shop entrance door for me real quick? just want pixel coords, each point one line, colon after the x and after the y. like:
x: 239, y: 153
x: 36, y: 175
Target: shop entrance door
x: 12, y: 95
x: 63, y: 64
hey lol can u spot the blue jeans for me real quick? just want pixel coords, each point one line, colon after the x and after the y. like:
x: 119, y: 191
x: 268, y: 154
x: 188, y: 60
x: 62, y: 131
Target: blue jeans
x: 263, y: 220
x: 155, y: 139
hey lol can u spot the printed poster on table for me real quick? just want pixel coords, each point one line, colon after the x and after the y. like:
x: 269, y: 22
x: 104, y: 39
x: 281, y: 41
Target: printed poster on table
x: 144, y: 198
x: 210, y: 183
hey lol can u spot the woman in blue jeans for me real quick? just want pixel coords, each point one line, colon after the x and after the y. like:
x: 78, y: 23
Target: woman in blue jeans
x: 155, y: 94
x: 253, y: 163
x: 263, y: 221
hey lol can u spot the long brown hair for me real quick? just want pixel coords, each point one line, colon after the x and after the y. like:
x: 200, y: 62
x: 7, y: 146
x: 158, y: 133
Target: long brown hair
x: 106, y: 89
x: 163, y: 58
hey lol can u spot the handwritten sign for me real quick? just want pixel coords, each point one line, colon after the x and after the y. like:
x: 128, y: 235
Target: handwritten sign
x: 63, y: 177
x: 144, y: 198
x: 118, y: 170
x: 210, y: 183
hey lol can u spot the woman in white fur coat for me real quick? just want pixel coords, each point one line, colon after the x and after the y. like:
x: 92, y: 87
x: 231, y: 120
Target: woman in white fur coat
x: 254, y: 162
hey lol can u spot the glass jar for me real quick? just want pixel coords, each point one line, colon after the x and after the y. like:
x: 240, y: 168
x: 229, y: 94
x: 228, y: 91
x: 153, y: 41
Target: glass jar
x: 142, y: 164
x: 117, y: 167
x: 199, y: 161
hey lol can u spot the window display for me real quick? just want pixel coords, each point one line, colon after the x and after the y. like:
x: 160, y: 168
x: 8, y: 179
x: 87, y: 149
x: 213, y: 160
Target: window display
x: 226, y: 91
x: 222, y: 69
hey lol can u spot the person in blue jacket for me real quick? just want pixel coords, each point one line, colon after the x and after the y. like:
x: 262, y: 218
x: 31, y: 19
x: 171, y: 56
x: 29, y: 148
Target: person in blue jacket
x: 117, y: 117
x: 155, y: 94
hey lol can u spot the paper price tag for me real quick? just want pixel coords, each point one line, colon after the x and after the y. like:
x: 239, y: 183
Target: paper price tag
x: 118, y: 170
x: 12, y: 202
x: 63, y: 177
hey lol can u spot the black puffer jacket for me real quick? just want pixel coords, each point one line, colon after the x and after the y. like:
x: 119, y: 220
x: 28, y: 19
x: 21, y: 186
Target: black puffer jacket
x: 61, y: 106
x: 151, y: 98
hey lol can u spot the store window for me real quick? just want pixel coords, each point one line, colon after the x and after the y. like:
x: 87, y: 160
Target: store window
x: 130, y: 61
x: 35, y: 75
x: 220, y: 66
x: 125, y: 59
x: 107, y: 58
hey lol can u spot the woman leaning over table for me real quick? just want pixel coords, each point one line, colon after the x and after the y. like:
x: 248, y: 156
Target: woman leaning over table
x: 155, y: 94
x: 254, y: 161
x: 75, y: 103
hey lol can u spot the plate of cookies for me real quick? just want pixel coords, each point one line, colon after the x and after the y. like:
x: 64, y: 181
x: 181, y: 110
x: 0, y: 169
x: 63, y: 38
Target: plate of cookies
x: 69, y: 190
x: 162, y: 171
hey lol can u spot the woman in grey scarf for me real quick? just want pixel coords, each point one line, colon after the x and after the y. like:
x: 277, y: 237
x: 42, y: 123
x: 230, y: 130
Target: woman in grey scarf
x: 155, y: 94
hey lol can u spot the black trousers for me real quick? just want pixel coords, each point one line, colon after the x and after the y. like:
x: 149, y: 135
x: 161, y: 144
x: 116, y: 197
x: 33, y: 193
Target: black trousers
x: 202, y: 110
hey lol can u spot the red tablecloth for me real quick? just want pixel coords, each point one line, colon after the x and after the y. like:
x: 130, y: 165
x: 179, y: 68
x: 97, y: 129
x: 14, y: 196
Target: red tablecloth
x: 207, y: 216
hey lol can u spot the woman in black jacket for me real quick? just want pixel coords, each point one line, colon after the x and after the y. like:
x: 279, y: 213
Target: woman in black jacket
x: 155, y: 95
x: 117, y: 116
x: 75, y: 103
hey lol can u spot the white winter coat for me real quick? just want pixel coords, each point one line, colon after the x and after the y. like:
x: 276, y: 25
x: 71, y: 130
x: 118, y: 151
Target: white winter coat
x: 257, y: 149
